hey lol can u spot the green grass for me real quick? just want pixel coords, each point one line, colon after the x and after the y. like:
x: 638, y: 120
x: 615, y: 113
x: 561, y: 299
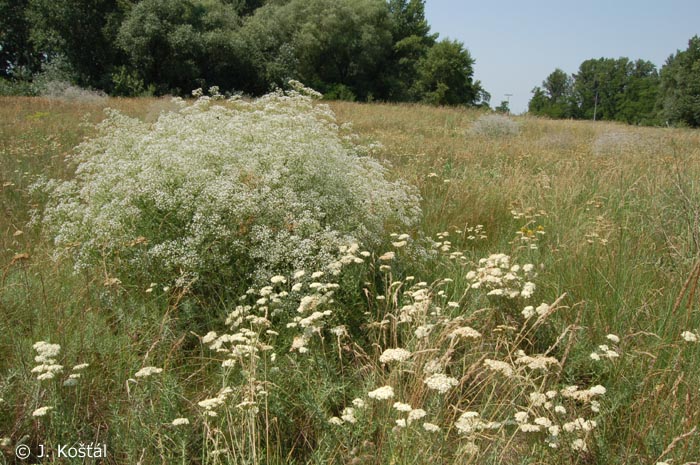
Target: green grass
x: 621, y: 222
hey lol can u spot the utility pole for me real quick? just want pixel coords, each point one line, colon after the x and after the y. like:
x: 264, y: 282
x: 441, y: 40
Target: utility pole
x: 508, y: 96
x: 595, y: 105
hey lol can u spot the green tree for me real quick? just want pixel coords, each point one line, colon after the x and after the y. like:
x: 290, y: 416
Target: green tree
x: 162, y: 39
x: 412, y: 40
x: 445, y: 75
x: 80, y: 30
x: 680, y: 86
x: 604, y: 88
x: 557, y: 99
x: 336, y: 47
x: 538, y: 103
x: 18, y: 58
x: 639, y: 102
x: 503, y: 107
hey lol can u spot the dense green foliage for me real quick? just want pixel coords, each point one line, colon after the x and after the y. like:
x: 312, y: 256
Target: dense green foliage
x: 350, y: 50
x: 625, y: 90
x: 603, y: 89
x: 680, y: 85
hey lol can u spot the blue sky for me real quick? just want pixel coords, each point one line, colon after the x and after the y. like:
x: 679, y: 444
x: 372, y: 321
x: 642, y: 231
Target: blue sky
x: 516, y: 44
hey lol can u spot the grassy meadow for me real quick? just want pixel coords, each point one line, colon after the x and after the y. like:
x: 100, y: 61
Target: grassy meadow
x: 606, y: 215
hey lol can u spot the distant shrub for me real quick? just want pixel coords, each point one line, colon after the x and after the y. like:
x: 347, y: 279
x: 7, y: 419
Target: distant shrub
x: 12, y: 87
x: 127, y: 83
x: 494, y: 125
x: 222, y: 192
x: 340, y: 92
x: 57, y: 79
x: 64, y: 90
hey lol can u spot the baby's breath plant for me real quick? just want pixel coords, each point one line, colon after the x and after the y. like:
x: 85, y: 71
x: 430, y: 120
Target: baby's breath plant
x: 493, y: 125
x: 223, y: 192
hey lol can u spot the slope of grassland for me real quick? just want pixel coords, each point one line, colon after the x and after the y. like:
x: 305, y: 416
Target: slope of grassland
x: 609, y: 214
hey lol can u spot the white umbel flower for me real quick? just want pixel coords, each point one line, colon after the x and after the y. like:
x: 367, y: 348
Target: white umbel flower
x: 145, y: 372
x: 440, y: 382
x: 394, y: 355
x: 41, y: 411
x: 382, y: 393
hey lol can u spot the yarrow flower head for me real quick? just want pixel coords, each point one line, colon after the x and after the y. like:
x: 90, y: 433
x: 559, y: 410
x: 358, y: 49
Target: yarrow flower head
x: 145, y: 372
x: 440, y: 382
x: 394, y: 355
x: 41, y: 411
x: 382, y: 393
x: 48, y: 368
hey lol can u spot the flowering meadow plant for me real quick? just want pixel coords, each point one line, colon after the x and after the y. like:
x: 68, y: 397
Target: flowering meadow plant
x: 223, y: 191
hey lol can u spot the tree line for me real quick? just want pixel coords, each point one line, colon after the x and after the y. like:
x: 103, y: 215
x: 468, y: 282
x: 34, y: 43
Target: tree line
x: 348, y: 49
x: 620, y: 89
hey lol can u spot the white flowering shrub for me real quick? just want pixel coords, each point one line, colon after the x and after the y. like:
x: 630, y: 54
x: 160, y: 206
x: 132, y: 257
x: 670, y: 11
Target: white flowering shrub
x: 493, y: 125
x: 224, y: 191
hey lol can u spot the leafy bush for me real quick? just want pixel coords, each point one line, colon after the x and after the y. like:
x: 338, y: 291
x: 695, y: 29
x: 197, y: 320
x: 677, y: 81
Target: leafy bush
x: 12, y: 87
x: 127, y: 83
x: 493, y: 125
x: 223, y: 192
x: 57, y: 80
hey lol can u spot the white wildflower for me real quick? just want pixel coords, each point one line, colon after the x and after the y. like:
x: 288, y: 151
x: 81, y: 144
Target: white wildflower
x: 416, y: 414
x: 501, y: 367
x: 528, y: 428
x: 41, y: 411
x: 465, y: 332
x: 394, y: 355
x: 440, y: 382
x: 145, y: 372
x: 209, y: 337
x: 579, y: 444
x: 468, y: 422
x: 348, y: 415
x: 401, y: 407
x: 528, y: 312
x: 430, y: 427
x: 382, y: 393
x: 180, y: 422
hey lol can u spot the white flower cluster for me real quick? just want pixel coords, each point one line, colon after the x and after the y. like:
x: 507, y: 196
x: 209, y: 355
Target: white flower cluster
x: 549, y: 414
x: 496, y: 274
x: 440, y: 382
x: 604, y: 351
x: 146, y: 372
x: 223, y: 189
x: 210, y: 405
x: 47, y: 367
x: 471, y: 422
x: 382, y: 393
x: 394, y: 355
